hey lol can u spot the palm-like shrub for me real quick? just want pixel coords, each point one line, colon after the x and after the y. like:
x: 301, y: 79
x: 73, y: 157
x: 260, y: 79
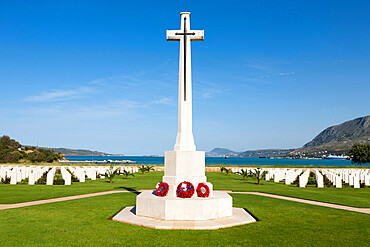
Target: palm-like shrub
x: 142, y: 169
x: 227, y: 170
x: 259, y: 174
x: 222, y: 169
x: 244, y: 173
x: 149, y: 168
x: 111, y: 173
x: 127, y: 173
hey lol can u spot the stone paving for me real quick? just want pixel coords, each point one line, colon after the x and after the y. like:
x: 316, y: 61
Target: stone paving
x: 67, y: 198
x: 60, y: 199
x: 239, y: 217
x: 324, y: 204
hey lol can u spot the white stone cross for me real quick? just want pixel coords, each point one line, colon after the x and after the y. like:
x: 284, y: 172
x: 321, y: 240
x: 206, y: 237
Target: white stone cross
x: 185, y: 139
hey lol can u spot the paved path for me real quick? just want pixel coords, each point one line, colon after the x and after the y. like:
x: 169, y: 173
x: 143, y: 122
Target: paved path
x: 324, y: 204
x: 60, y: 199
x: 67, y: 198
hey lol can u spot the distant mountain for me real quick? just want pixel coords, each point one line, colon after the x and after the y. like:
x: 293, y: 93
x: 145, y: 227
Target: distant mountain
x: 220, y: 152
x: 341, y: 136
x: 265, y: 153
x: 77, y: 152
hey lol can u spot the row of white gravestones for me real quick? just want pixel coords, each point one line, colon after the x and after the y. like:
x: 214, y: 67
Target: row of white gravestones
x: 291, y: 175
x: 33, y: 173
x: 90, y: 173
x: 78, y: 172
x: 354, y: 177
x: 36, y: 174
x: 128, y: 168
x: 279, y: 175
x: 18, y: 173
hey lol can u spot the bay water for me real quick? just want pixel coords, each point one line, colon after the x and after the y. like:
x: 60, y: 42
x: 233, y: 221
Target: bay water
x: 154, y: 160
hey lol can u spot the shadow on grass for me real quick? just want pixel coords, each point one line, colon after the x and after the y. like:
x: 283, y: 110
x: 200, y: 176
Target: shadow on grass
x: 251, y: 214
x: 255, y: 183
x: 130, y: 190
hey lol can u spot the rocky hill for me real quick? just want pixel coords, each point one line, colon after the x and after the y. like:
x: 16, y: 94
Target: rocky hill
x: 220, y: 152
x: 341, y: 136
x: 266, y: 153
x: 77, y: 152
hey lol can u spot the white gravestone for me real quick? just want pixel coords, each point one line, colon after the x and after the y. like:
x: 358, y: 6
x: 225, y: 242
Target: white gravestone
x: 184, y: 163
x: 31, y: 178
x: 304, y: 178
x: 66, y: 176
x: 50, y: 176
x: 13, y: 176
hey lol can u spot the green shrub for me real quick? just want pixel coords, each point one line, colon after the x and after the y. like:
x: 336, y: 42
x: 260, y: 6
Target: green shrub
x: 24, y: 181
x: 58, y: 179
x: 42, y: 180
x: 73, y: 177
x: 5, y: 180
x: 312, y: 179
x: 327, y: 182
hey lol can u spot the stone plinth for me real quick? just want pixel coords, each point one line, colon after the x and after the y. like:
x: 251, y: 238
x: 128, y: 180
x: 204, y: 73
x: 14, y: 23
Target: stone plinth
x: 175, y: 208
x: 183, y: 166
x: 239, y: 217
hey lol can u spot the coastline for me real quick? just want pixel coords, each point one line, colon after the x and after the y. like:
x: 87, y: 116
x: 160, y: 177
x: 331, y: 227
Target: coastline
x: 219, y: 161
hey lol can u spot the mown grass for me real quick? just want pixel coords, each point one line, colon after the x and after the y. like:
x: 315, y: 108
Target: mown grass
x: 85, y: 222
x: 343, y: 196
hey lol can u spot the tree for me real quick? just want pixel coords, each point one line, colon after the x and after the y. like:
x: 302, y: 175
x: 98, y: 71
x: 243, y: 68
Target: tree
x: 222, y: 169
x: 226, y: 170
x: 8, y: 143
x: 243, y: 172
x: 142, y: 169
x: 259, y: 174
x: 127, y: 173
x: 149, y: 168
x: 111, y: 173
x: 360, y: 153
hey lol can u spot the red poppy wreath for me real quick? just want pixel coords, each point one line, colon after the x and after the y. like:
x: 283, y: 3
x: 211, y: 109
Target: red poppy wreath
x: 161, y: 189
x: 185, y: 190
x: 202, y: 190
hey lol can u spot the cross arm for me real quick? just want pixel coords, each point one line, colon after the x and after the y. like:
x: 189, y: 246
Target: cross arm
x: 171, y: 35
x: 198, y: 36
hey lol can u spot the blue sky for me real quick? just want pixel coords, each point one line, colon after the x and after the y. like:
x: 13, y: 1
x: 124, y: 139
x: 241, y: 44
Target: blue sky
x: 100, y: 75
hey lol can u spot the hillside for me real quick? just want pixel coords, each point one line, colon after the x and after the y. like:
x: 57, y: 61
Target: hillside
x: 220, y: 152
x: 77, y: 152
x: 12, y: 151
x: 266, y: 153
x: 341, y: 136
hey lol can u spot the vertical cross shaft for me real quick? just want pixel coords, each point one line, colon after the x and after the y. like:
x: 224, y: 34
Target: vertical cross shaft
x: 185, y: 34
x: 185, y: 139
x: 185, y: 41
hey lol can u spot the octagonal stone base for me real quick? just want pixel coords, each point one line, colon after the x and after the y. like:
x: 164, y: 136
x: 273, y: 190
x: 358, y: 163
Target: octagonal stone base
x: 239, y: 217
x: 174, y: 208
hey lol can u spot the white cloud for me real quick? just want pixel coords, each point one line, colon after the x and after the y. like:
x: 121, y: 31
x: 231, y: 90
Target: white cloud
x: 286, y: 73
x: 58, y: 95
x: 163, y: 101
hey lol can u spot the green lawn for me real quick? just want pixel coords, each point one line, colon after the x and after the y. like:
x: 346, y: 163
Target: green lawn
x: 85, y: 222
x: 344, y: 196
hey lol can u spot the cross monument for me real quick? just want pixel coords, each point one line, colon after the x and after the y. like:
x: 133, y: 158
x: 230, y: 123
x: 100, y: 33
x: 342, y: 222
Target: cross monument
x: 184, y: 168
x: 185, y: 139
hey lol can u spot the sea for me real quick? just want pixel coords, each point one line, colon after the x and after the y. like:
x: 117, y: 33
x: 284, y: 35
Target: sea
x: 154, y: 160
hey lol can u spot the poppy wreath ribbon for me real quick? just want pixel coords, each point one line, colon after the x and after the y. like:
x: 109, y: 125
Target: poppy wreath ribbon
x: 185, y: 190
x: 161, y: 189
x: 202, y: 190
